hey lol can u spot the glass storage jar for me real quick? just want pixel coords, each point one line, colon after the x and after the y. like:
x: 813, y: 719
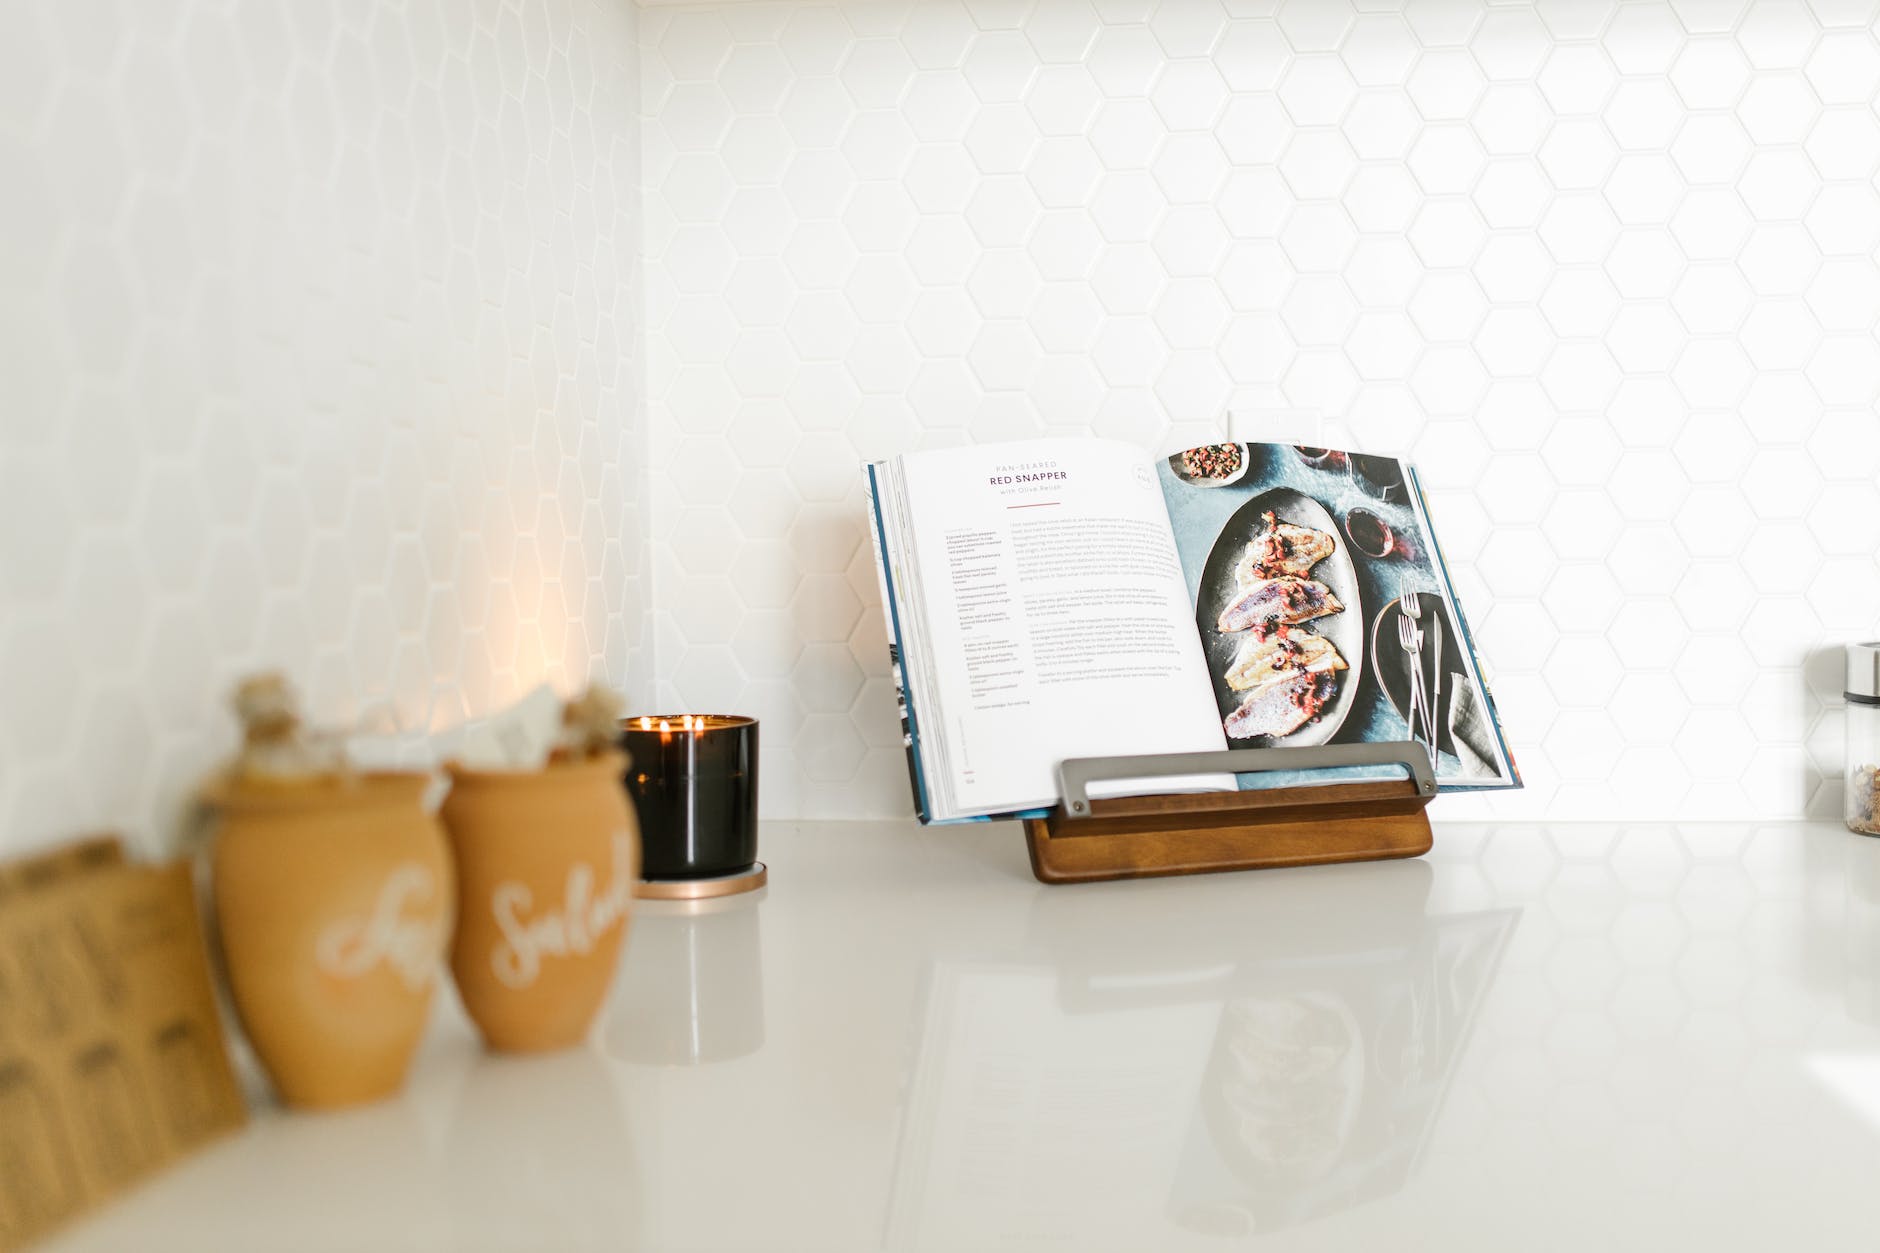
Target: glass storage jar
x: 1862, y: 806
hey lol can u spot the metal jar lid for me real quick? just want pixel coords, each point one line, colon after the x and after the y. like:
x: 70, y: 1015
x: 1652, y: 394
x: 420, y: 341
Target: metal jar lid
x: 1863, y: 673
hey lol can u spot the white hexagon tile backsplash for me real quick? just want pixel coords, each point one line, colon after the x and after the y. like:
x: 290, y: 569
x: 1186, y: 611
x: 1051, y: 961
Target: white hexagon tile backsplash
x: 430, y: 350
x: 320, y: 330
x: 1606, y: 270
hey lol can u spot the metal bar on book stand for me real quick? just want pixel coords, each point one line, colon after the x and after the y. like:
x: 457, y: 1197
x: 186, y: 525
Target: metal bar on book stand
x: 1075, y: 774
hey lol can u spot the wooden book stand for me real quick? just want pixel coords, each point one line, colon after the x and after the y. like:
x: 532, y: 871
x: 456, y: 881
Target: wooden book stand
x: 1130, y: 837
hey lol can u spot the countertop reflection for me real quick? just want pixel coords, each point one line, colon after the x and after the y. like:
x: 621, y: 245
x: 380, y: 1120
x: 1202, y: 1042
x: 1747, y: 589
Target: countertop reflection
x: 1537, y: 1037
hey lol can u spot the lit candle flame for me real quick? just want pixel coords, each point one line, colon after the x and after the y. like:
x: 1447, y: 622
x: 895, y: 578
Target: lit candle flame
x: 646, y: 723
x: 665, y: 728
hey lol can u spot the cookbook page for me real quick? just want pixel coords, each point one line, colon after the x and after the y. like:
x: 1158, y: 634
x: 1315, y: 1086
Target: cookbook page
x: 1300, y: 564
x: 1055, y: 618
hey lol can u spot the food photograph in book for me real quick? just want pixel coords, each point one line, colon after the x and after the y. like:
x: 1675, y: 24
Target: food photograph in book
x: 1324, y: 609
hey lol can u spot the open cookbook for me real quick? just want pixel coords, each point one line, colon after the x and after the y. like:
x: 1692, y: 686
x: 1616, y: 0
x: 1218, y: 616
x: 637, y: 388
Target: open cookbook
x: 1062, y: 598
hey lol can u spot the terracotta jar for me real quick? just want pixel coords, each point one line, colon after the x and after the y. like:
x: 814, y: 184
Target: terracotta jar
x: 334, y: 902
x: 547, y: 861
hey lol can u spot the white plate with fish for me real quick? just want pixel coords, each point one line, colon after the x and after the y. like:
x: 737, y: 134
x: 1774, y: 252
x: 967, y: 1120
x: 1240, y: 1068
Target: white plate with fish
x: 1281, y: 623
x: 1211, y: 465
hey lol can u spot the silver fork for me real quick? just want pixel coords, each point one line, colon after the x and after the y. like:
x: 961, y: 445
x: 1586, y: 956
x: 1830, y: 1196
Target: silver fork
x: 1412, y: 606
x: 1412, y: 603
x: 1412, y: 647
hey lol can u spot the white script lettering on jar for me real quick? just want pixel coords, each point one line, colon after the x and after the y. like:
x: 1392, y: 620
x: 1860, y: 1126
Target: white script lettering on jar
x: 352, y: 947
x: 570, y: 931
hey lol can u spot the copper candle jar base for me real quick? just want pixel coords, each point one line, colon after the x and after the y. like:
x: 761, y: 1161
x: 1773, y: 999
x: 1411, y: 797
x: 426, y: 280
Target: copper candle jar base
x: 703, y: 889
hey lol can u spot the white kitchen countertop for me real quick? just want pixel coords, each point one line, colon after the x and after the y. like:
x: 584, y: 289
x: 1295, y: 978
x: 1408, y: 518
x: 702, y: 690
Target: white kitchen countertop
x: 1571, y: 1037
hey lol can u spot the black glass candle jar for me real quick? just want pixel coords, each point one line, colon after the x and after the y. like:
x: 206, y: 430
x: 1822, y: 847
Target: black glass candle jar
x: 693, y: 779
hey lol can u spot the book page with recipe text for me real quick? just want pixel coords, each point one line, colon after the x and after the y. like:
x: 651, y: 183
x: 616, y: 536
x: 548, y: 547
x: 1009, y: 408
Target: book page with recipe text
x: 1061, y: 624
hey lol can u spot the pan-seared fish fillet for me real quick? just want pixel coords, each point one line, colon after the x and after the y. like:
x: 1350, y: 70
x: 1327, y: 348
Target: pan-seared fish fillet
x: 1283, y: 600
x: 1297, y: 650
x: 1282, y: 549
x: 1279, y: 707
